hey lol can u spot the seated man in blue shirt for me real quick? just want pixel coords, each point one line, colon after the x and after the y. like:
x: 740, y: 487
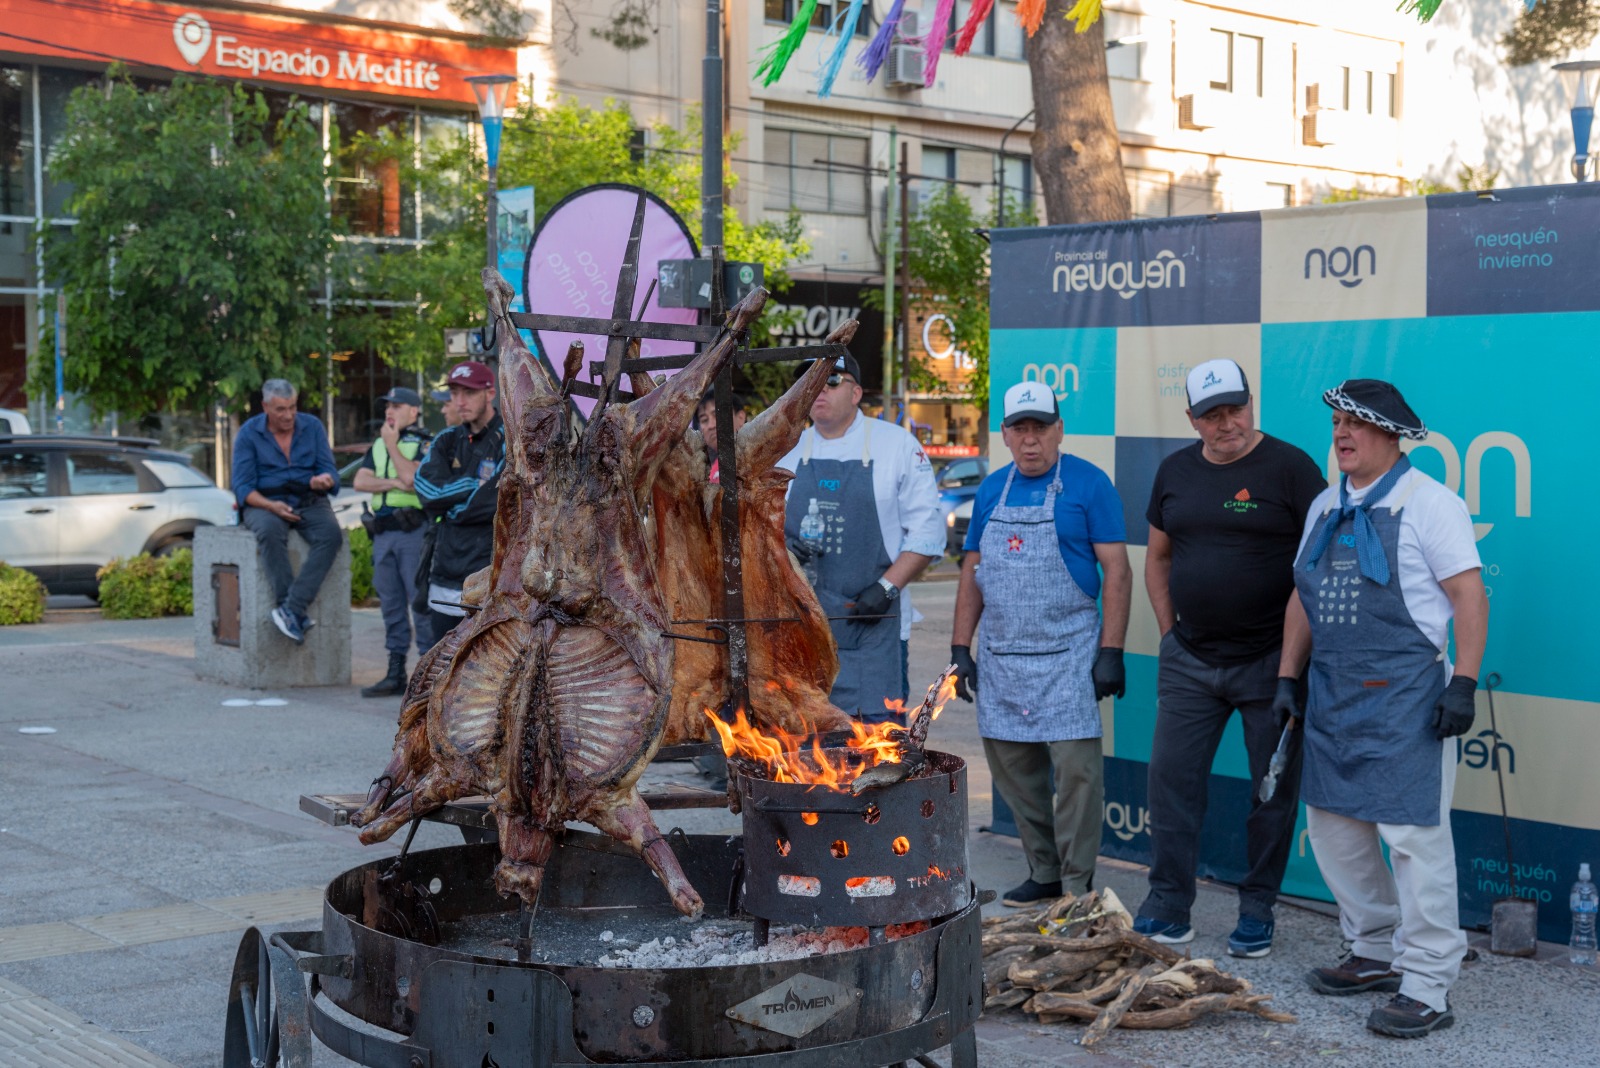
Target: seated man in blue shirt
x: 282, y: 474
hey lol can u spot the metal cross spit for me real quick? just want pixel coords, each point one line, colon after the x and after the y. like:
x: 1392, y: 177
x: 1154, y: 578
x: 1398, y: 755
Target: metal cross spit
x: 622, y: 334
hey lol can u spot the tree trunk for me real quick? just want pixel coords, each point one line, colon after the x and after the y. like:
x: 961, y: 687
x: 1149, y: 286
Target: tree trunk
x: 1076, y: 151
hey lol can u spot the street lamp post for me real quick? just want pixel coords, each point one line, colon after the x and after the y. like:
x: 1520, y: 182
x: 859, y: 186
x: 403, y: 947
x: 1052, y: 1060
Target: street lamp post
x: 491, y: 91
x: 1579, y: 78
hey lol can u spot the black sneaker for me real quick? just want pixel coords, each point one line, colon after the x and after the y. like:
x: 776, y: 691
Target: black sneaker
x: 1354, y: 975
x: 1031, y: 893
x: 1407, y: 1017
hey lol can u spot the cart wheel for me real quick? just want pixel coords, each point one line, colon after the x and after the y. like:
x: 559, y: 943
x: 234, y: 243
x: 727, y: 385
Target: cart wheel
x: 268, y: 1021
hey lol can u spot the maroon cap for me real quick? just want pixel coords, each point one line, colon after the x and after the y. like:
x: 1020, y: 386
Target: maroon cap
x: 470, y: 374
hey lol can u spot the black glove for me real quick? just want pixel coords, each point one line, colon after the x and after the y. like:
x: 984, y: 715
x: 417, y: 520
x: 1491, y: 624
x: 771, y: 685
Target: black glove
x: 803, y: 550
x: 1456, y: 709
x: 1286, y: 701
x: 1109, y: 677
x: 966, y: 671
x: 872, y: 601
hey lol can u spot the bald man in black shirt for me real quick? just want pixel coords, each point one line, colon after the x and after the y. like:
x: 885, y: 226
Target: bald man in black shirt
x: 1226, y: 515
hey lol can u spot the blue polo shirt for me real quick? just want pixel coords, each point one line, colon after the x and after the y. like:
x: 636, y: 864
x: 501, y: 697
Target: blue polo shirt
x: 1088, y: 512
x: 258, y: 462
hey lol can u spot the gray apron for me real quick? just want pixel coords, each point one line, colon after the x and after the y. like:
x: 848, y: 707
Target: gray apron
x: 1039, y: 632
x: 1370, y: 750
x: 869, y: 652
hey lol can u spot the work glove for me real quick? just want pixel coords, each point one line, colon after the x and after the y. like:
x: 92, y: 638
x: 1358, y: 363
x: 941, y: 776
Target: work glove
x: 1109, y: 677
x: 966, y: 672
x: 872, y: 601
x: 803, y: 550
x: 1455, y: 710
x: 1286, y: 701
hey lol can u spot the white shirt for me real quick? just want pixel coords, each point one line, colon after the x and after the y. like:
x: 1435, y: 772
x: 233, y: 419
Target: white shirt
x: 1436, y: 542
x: 909, y: 515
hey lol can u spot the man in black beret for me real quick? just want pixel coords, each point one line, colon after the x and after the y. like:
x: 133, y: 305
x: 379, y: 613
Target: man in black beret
x: 1388, y: 560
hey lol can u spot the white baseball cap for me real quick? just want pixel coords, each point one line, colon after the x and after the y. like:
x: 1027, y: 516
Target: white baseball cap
x: 1030, y: 400
x: 1216, y: 382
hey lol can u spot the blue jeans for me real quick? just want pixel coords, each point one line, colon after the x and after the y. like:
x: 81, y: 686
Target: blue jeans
x: 317, y: 528
x: 395, y: 555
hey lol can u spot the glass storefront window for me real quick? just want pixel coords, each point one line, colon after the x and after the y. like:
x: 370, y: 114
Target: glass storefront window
x: 16, y: 141
x: 18, y: 336
x: 442, y: 202
x: 367, y: 188
x: 16, y: 255
x: 55, y: 87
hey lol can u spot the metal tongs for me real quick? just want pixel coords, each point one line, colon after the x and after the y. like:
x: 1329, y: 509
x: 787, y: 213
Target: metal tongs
x: 1279, y: 761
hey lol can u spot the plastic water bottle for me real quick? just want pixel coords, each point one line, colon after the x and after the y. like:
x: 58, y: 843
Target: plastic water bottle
x: 1585, y: 903
x: 812, y: 532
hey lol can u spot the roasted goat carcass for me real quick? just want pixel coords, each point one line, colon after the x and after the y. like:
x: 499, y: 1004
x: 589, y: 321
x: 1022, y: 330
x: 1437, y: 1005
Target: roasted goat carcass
x: 552, y: 697
x: 792, y: 664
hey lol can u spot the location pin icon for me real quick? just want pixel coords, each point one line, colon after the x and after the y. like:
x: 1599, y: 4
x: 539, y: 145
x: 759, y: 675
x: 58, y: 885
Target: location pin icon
x: 192, y: 35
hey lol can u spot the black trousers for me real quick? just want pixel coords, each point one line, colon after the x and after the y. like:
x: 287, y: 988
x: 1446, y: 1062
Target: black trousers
x: 1194, y: 701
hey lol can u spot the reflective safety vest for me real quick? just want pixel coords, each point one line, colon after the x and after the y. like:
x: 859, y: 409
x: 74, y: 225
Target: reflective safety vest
x: 410, y: 446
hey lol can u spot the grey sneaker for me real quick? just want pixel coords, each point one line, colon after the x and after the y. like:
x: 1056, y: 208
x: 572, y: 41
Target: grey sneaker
x: 1405, y: 1017
x: 1170, y: 934
x: 1354, y: 975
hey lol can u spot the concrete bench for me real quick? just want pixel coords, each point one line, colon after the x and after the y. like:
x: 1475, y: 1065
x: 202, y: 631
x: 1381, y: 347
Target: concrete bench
x: 235, y: 640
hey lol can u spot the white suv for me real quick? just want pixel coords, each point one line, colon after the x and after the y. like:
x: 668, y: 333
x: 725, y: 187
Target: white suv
x: 69, y: 505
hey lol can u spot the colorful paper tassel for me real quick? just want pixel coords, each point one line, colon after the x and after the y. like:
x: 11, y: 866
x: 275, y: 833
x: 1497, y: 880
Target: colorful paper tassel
x: 933, y: 41
x: 1085, y: 13
x: 830, y: 66
x: 1424, y: 9
x: 969, y: 29
x: 780, y: 51
x: 1030, y: 13
x: 877, y: 49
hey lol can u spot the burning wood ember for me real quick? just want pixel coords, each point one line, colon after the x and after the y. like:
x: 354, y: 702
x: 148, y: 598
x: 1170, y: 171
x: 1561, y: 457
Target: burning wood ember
x: 871, y: 756
x: 1080, y: 960
x: 717, y: 944
x: 552, y: 696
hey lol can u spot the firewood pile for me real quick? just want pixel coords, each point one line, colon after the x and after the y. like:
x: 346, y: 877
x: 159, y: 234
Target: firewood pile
x: 1080, y: 960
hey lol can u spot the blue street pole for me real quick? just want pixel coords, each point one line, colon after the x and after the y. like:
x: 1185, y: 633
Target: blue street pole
x: 1579, y: 78
x: 61, y: 381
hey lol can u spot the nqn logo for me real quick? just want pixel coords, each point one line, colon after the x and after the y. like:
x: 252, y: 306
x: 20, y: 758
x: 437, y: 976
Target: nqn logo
x: 1124, y: 822
x: 1343, y: 264
x: 1471, y: 485
x: 1054, y: 376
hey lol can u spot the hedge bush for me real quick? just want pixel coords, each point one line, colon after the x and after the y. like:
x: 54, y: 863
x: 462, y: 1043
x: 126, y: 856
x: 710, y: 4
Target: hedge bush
x: 145, y: 586
x: 21, y: 596
x: 361, y: 588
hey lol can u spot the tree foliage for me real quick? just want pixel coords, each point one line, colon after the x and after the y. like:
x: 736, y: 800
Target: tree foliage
x: 1550, y: 30
x: 201, y: 237
x: 557, y: 150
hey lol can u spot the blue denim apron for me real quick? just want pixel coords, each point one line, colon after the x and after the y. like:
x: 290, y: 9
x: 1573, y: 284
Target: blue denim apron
x: 1374, y: 677
x: 869, y: 652
x: 1039, y: 632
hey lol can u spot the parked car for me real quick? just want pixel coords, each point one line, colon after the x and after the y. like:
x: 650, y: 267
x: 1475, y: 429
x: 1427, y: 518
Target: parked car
x: 70, y: 505
x: 958, y: 481
x: 955, y: 525
x: 14, y: 422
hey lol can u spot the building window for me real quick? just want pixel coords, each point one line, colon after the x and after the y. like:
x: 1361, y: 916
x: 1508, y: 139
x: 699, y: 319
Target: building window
x: 938, y: 168
x: 367, y: 192
x: 983, y: 41
x: 815, y: 172
x: 1016, y: 178
x: 1394, y: 96
x: 1150, y: 192
x: 16, y: 147
x: 1280, y: 195
x: 1009, y: 39
x: 1236, y: 63
x: 1124, y: 60
x: 822, y: 18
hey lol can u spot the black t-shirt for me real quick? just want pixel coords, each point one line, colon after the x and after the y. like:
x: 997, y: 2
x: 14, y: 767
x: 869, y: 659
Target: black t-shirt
x: 1234, y: 529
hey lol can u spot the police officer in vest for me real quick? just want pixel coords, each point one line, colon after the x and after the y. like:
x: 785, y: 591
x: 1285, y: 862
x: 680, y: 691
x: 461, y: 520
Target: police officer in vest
x: 395, y: 523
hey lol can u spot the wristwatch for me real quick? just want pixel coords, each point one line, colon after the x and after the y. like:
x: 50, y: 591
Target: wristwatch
x: 890, y: 589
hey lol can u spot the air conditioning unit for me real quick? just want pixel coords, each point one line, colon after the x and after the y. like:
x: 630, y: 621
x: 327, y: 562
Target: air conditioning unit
x: 1325, y: 126
x: 1201, y: 111
x: 906, y: 67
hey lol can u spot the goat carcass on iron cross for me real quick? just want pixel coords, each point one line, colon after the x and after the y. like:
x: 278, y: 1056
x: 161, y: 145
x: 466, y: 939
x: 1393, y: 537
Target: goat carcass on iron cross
x: 552, y: 697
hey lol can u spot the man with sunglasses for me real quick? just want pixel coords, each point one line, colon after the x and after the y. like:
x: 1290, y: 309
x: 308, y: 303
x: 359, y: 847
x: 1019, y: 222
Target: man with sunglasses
x: 873, y: 487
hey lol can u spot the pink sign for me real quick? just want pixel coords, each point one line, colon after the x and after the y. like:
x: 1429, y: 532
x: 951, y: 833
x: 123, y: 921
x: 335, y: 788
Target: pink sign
x: 575, y: 261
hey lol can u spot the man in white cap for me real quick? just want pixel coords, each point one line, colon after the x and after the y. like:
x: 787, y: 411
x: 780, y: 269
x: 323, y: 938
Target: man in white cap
x: 1225, y: 519
x: 1388, y: 561
x: 1046, y: 539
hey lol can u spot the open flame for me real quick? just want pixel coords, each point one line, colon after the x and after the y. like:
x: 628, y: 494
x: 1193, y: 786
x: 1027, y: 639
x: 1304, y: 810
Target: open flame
x: 801, y: 758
